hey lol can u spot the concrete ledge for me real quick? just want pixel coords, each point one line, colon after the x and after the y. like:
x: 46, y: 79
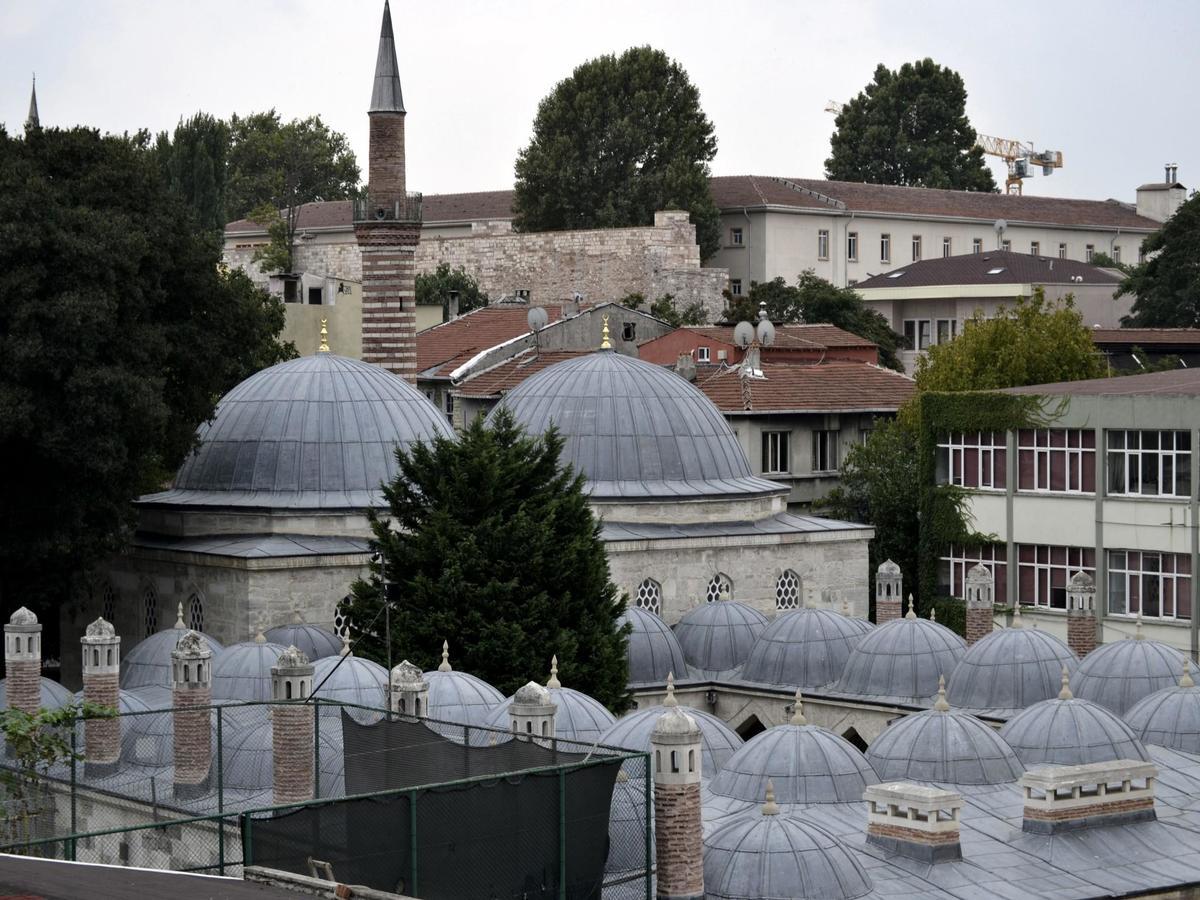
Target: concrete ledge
x: 315, y: 887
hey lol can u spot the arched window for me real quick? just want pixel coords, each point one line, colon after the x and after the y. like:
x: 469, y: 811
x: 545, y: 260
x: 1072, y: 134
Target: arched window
x: 195, y: 613
x: 341, y: 617
x: 649, y: 596
x: 720, y: 587
x: 108, y: 605
x: 150, y: 610
x: 787, y: 591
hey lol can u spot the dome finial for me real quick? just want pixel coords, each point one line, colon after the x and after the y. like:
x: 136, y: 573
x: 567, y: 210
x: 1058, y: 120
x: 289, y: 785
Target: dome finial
x: 670, y: 700
x: 1065, y: 693
x: 845, y: 607
x: 912, y: 613
x: 798, y: 710
x: 941, y: 704
x: 933, y: 614
x: 1137, y: 631
x: 1185, y: 681
x: 605, y: 343
x: 444, y: 665
x: 1016, y: 622
x: 770, y: 808
x: 296, y: 617
x: 179, y: 623
x: 345, y: 651
x: 724, y: 593
x: 324, y: 348
x: 553, y: 682
x: 259, y: 637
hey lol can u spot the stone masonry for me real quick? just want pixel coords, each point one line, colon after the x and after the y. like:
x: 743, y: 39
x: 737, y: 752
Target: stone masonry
x: 191, y: 665
x: 101, y: 669
x: 292, y: 729
x: 23, y: 661
x: 889, y: 591
x: 389, y: 316
x: 678, y: 833
x: 1081, y: 614
x: 980, y: 586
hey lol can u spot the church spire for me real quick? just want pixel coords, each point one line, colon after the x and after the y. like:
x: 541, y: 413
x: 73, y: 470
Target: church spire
x: 386, y: 95
x: 32, y: 121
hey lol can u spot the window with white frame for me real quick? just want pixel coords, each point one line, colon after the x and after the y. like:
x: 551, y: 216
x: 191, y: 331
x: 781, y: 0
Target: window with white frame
x: 720, y: 586
x: 649, y: 596
x: 823, y: 244
x: 1035, y: 248
x: 735, y: 286
x: 1006, y: 245
x: 1062, y: 460
x: 702, y: 354
x: 1088, y: 252
x: 149, y: 610
x: 735, y: 237
x: 958, y: 561
x: 1149, y: 463
x: 917, y: 334
x: 787, y: 591
x: 916, y: 248
x: 1116, y: 254
x: 1062, y: 251
x: 885, y: 248
x: 1043, y: 573
x: 973, y: 459
x: 947, y: 330
x: 977, y: 245
x: 195, y: 613
x: 776, y: 452
x: 1154, y: 585
x: 825, y: 451
x: 947, y: 247
x: 852, y: 246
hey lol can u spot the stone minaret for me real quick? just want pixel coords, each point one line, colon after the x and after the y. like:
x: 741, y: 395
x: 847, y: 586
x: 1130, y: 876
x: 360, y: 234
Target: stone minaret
x: 1081, y: 614
x: 679, y: 847
x: 387, y: 225
x: 408, y: 691
x: 980, y: 593
x: 889, y: 592
x: 23, y: 661
x: 292, y: 727
x: 101, y: 670
x: 191, y: 695
x: 33, y: 121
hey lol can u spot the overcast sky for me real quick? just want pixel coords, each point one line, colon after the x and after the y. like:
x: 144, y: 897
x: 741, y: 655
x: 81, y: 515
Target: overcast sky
x: 1112, y: 85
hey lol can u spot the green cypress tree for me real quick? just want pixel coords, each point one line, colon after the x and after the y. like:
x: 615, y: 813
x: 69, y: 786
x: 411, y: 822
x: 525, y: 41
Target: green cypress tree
x: 491, y: 545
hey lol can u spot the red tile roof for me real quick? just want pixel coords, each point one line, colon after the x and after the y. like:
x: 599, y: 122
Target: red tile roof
x: 1173, y: 383
x: 798, y: 337
x: 509, y: 374
x: 447, y: 346
x: 1147, y: 338
x: 828, y: 387
x: 981, y: 268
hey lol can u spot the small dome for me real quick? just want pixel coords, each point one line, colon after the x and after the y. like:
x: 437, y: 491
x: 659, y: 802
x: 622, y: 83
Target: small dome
x: 804, y: 648
x: 943, y: 746
x: 313, y: 640
x: 356, y: 680
x: 460, y: 697
x: 676, y: 721
x: 243, y: 671
x: 887, y: 567
x: 633, y: 732
x: 1010, y: 669
x: 717, y: 637
x: 902, y: 659
x: 653, y: 650
x: 54, y: 695
x: 578, y: 717
x: 148, y: 662
x: 1070, y: 732
x: 248, y: 752
x: 1169, y: 718
x: 147, y: 737
x: 636, y: 430
x: 762, y: 855
x: 1119, y: 674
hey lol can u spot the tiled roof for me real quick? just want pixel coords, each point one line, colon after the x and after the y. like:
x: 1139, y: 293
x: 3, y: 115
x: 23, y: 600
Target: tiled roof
x: 1147, y: 338
x: 506, y: 376
x: 792, y: 337
x: 994, y: 267
x: 828, y: 387
x: 1174, y: 383
x: 447, y: 346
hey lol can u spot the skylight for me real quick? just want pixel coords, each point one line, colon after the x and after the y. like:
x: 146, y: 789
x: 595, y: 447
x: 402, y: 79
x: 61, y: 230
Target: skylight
x: 995, y: 271
x: 896, y: 274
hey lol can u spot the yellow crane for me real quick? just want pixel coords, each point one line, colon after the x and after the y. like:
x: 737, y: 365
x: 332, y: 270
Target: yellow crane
x: 1020, y: 156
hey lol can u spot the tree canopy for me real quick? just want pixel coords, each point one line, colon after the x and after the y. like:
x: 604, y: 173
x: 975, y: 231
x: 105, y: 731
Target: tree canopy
x: 1167, y: 283
x: 491, y: 545
x: 909, y: 127
x: 666, y: 309
x: 119, y: 333
x: 620, y: 139
x: 193, y: 161
x: 815, y: 300
x: 433, y: 289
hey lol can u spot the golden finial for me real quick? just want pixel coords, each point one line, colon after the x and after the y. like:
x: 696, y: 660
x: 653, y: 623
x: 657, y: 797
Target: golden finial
x: 324, y: 348
x: 941, y: 704
x: 670, y: 700
x: 1186, y: 681
x: 770, y: 808
x: 1065, y: 693
x: 553, y: 682
x: 798, y: 710
x: 444, y: 666
x: 912, y: 613
x: 605, y: 343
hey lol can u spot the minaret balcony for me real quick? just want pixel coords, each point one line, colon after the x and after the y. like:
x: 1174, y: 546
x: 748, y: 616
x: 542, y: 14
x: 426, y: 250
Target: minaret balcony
x: 406, y: 209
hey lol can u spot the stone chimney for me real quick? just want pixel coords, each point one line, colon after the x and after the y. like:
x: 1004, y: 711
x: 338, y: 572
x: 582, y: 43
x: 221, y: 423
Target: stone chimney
x: 914, y: 820
x: 1064, y: 798
x: 409, y: 691
x: 1081, y: 614
x: 531, y: 712
x: 1159, y: 200
x: 292, y: 727
x: 678, y: 835
x: 889, y: 592
x: 980, y: 594
x: 101, y: 670
x: 191, y: 695
x: 23, y: 661
x: 685, y: 367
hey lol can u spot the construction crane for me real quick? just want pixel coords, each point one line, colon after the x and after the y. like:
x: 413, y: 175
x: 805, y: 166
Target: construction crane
x: 1021, y: 157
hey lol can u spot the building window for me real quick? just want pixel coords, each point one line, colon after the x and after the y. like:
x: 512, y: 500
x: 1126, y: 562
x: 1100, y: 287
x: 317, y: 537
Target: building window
x: 823, y: 244
x: 735, y: 286
x: 959, y: 561
x: 195, y: 613
x: 1155, y: 585
x: 1056, y: 459
x: 1043, y: 573
x: 1088, y: 252
x: 947, y: 330
x: 787, y: 591
x: 852, y: 246
x: 824, y: 451
x: 315, y: 296
x: 947, y: 244
x: 1035, y: 248
x: 449, y: 404
x: 1141, y: 255
x: 916, y: 334
x: 1150, y: 463
x: 1006, y: 246
x: 629, y: 331
x: 702, y: 354
x: 1116, y: 254
x: 1062, y: 251
x: 720, y: 587
x: 341, y: 617
x: 885, y: 248
x: 977, y: 245
x: 735, y: 236
x: 916, y: 247
x: 973, y: 459
x: 149, y: 610
x: 776, y: 452
x: 649, y: 597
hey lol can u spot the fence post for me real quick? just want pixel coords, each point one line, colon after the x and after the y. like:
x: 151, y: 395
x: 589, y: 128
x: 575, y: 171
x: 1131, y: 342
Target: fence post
x: 74, y: 784
x: 562, y: 835
x: 649, y: 827
x: 316, y: 748
x: 412, y: 842
x: 220, y: 796
x: 247, y: 841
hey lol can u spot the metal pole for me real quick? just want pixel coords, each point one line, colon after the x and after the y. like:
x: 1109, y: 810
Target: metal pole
x: 316, y: 749
x: 649, y: 829
x: 412, y: 843
x: 247, y: 841
x: 74, y: 765
x: 220, y: 797
x: 562, y: 835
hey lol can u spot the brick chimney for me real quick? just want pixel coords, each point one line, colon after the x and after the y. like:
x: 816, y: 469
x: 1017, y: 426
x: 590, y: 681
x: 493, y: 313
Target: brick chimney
x: 408, y: 691
x: 23, y: 661
x: 914, y: 820
x: 1081, y: 614
x: 101, y: 648
x: 532, y: 712
x: 980, y: 596
x: 292, y: 732
x: 678, y: 835
x: 1065, y: 798
x: 889, y: 592
x: 191, y: 695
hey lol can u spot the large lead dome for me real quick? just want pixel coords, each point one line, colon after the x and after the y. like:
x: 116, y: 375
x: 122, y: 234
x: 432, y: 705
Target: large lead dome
x: 317, y: 432
x: 636, y: 430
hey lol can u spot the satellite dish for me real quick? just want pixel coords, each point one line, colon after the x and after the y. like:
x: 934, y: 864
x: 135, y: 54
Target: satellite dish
x: 743, y: 334
x: 766, y: 332
x: 1001, y: 226
x: 537, y: 318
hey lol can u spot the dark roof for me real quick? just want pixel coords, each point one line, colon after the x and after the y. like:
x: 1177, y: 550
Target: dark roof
x: 1161, y: 186
x: 443, y: 348
x: 386, y: 95
x: 1175, y: 383
x: 827, y: 387
x: 1147, y: 338
x: 510, y: 373
x: 993, y: 267
x: 792, y: 337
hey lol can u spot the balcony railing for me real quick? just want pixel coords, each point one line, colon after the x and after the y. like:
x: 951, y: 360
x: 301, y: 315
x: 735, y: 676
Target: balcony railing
x: 408, y: 209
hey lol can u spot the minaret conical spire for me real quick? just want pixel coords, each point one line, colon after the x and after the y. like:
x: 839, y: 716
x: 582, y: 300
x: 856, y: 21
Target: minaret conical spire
x: 32, y: 120
x: 386, y: 95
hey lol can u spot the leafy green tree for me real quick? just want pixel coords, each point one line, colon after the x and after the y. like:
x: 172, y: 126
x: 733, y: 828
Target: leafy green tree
x: 491, y: 544
x: 815, y: 300
x: 119, y: 333
x: 194, y: 165
x: 1167, y: 283
x: 1103, y: 261
x: 433, y: 289
x: 623, y: 137
x: 909, y: 127
x: 666, y: 309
